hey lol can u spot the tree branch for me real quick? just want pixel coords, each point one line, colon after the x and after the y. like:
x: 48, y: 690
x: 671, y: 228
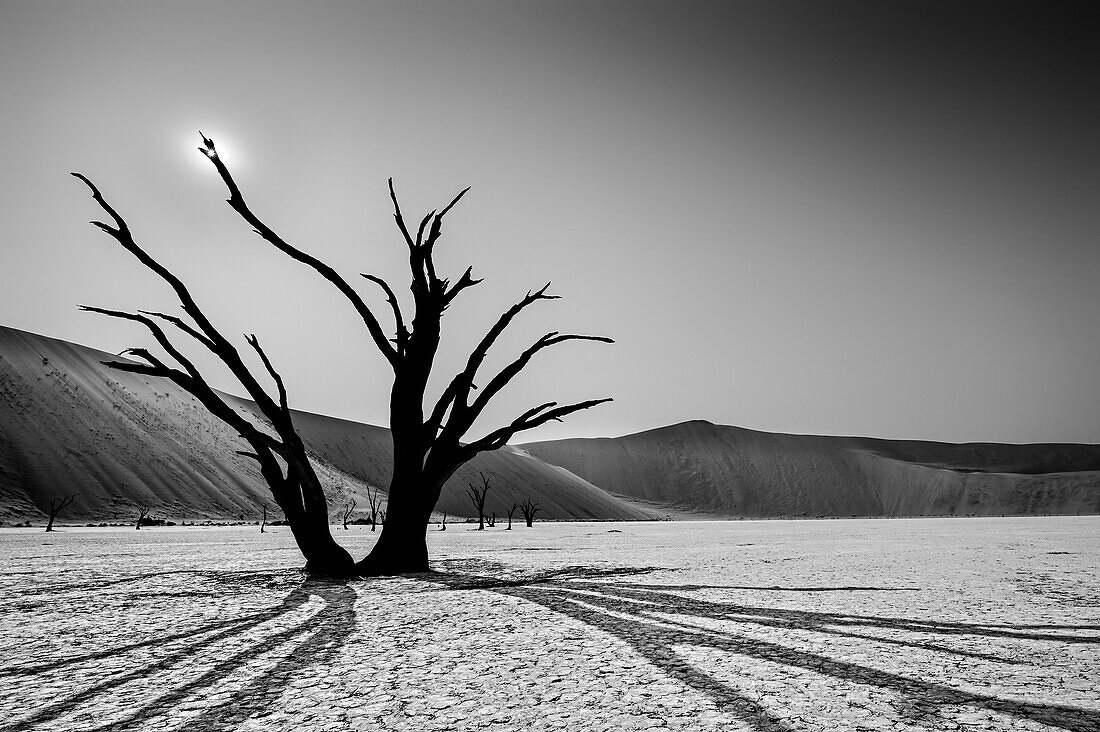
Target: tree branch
x: 222, y: 348
x: 255, y: 343
x: 458, y: 391
x: 402, y: 332
x: 237, y: 203
x: 529, y: 420
x: 510, y: 371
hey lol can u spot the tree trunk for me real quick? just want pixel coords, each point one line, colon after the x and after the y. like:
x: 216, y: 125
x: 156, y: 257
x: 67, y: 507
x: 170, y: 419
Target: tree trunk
x: 49, y: 526
x: 324, y: 557
x: 402, y: 546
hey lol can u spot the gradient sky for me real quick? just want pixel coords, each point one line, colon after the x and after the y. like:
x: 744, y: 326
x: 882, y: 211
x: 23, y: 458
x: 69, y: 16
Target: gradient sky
x: 863, y: 218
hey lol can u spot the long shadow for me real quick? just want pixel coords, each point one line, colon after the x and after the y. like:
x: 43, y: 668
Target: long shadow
x: 314, y: 641
x: 654, y: 621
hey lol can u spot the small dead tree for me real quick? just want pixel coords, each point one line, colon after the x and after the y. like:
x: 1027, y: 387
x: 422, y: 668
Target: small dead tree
x: 477, y: 497
x: 382, y: 517
x: 374, y: 500
x: 143, y: 513
x: 511, y: 510
x: 443, y: 526
x: 263, y: 521
x: 492, y: 520
x: 57, y: 505
x: 346, y: 514
x: 529, y: 508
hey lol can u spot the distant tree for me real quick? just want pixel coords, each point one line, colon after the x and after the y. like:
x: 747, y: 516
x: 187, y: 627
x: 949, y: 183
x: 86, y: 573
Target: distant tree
x: 477, y: 497
x: 492, y: 521
x: 374, y: 500
x: 443, y: 526
x: 528, y: 508
x: 346, y: 514
x: 57, y: 505
x: 511, y: 510
x: 429, y: 441
x: 143, y: 513
x: 263, y: 521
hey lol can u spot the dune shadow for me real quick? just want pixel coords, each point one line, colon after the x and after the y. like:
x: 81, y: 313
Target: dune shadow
x: 297, y: 646
x: 656, y: 620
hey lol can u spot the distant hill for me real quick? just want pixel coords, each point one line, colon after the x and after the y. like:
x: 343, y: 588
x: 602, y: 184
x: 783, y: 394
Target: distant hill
x: 740, y: 472
x: 70, y: 425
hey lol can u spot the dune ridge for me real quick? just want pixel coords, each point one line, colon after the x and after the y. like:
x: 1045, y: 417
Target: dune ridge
x: 735, y: 471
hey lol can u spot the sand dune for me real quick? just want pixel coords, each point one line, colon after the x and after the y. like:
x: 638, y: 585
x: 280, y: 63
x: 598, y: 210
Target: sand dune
x: 735, y: 471
x: 69, y: 425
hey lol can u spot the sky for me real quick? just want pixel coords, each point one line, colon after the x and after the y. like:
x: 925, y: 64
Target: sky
x: 855, y: 218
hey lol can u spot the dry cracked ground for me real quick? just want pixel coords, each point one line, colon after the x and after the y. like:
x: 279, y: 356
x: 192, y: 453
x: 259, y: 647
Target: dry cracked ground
x: 922, y: 624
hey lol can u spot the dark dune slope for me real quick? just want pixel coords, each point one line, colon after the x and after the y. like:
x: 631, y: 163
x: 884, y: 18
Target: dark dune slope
x: 735, y: 471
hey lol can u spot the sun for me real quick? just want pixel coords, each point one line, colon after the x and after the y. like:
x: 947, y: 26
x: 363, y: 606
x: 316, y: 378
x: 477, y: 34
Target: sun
x: 191, y: 145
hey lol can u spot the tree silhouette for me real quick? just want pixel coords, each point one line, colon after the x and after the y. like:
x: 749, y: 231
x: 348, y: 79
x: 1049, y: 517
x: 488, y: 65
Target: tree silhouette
x: 528, y: 508
x: 57, y: 505
x: 477, y: 497
x: 429, y: 444
x: 511, y: 510
x: 143, y: 513
x: 346, y: 514
x: 374, y: 499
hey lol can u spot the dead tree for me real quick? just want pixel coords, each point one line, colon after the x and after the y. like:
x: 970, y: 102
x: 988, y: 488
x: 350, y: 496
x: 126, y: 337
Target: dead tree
x: 429, y: 439
x: 443, y: 526
x: 374, y: 499
x: 528, y: 508
x: 57, y: 505
x: 263, y: 521
x: 477, y: 497
x: 511, y: 510
x: 282, y: 457
x: 492, y: 520
x: 346, y: 514
x: 143, y: 513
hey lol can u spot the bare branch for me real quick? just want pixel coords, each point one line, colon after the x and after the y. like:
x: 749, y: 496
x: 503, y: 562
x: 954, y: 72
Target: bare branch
x: 192, y: 381
x: 223, y: 349
x: 401, y: 220
x: 437, y: 220
x: 399, y: 321
x: 183, y: 326
x: 157, y: 332
x: 529, y: 420
x: 458, y: 391
x: 255, y: 343
x: 510, y: 371
x: 237, y: 203
x: 466, y: 280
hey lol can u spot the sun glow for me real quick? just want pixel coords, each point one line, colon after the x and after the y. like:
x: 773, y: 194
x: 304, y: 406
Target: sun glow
x: 196, y: 151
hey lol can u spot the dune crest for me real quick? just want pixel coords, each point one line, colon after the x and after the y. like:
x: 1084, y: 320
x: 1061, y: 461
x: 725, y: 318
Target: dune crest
x: 740, y: 472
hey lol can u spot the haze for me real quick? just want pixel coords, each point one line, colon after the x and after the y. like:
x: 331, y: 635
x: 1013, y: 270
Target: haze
x: 849, y: 218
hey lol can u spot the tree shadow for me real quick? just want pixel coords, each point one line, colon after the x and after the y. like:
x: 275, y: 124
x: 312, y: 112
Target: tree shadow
x: 311, y: 641
x: 655, y: 620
